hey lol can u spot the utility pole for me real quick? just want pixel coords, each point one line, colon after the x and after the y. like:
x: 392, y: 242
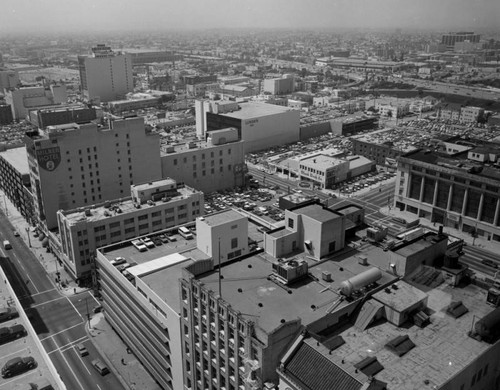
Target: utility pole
x: 88, y: 314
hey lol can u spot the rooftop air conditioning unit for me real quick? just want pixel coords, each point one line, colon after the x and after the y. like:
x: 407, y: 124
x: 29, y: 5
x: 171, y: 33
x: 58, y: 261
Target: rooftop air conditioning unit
x: 290, y: 271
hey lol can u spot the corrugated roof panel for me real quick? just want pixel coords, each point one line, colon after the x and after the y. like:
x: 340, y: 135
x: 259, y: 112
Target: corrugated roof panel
x: 313, y: 371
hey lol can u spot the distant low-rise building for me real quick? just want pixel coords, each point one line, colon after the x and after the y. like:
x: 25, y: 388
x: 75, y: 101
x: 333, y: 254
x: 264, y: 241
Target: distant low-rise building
x: 396, y: 110
x: 21, y: 100
x: 471, y: 114
x: 279, y: 86
x: 449, y: 111
x: 63, y: 114
x: 353, y: 124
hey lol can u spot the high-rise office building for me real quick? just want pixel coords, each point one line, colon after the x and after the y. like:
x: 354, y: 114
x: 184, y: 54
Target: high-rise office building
x: 106, y: 75
x: 76, y: 165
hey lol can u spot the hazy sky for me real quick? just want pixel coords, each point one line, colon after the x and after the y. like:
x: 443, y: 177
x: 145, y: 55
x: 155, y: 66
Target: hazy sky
x: 98, y: 15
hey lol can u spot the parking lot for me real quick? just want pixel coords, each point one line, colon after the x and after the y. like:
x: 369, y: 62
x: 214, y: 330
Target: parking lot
x: 365, y: 181
x: 262, y: 202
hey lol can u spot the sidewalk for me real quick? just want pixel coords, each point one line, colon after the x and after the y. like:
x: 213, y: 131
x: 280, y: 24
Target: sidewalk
x: 117, y: 357
x: 47, y: 260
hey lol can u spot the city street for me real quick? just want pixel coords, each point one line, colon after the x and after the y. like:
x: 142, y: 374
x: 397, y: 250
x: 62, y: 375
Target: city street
x: 58, y: 319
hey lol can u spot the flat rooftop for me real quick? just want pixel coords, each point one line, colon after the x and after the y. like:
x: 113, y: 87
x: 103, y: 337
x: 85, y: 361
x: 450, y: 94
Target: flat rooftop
x: 418, y: 245
x: 18, y: 158
x: 442, y: 348
x: 318, y: 213
x: 159, y: 267
x: 154, y: 184
x: 23, y: 346
x: 266, y: 302
x: 457, y: 162
x: 100, y: 211
x: 170, y: 149
x: 250, y: 110
x: 322, y: 161
x: 223, y: 217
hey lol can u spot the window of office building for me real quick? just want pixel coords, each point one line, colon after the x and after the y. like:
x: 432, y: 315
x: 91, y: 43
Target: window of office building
x: 443, y: 194
x: 489, y: 208
x: 473, y: 199
x: 429, y: 187
x: 457, y: 199
x: 415, y: 185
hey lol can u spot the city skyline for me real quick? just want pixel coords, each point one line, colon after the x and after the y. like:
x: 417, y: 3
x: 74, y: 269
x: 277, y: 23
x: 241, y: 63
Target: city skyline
x: 111, y: 15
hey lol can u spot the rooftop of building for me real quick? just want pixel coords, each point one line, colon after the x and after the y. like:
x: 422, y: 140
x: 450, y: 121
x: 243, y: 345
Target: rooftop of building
x: 398, y: 139
x: 442, y: 348
x: 190, y: 146
x: 355, y: 118
x: 426, y: 241
x: 122, y: 206
x: 223, y: 217
x: 251, y: 110
x: 161, y: 266
x: 458, y: 163
x: 317, y: 212
x: 322, y: 161
x: 267, y: 303
x: 64, y: 107
x: 154, y: 184
x: 358, y: 161
x: 18, y: 158
x: 23, y: 346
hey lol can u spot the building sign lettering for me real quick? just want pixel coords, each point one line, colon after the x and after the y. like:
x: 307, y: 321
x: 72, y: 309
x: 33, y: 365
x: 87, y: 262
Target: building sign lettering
x: 251, y: 121
x: 49, y: 158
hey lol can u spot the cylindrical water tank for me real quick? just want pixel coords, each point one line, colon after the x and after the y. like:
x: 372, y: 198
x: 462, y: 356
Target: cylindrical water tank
x: 347, y: 287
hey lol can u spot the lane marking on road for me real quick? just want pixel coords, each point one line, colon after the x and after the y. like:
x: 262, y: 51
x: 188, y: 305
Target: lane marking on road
x: 70, y: 345
x: 74, y: 307
x: 33, y: 284
x: 44, y: 303
x: 74, y: 375
x: 38, y: 293
x: 62, y: 331
x: 99, y: 387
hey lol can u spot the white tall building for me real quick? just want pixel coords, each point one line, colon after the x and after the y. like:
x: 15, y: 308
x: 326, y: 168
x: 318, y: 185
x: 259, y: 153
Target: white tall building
x: 106, y: 75
x: 76, y: 165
